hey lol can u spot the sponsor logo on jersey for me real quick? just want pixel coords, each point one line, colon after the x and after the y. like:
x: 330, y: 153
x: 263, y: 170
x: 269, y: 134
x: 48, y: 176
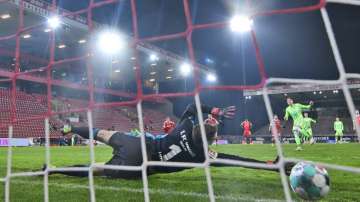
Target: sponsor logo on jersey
x: 185, y: 143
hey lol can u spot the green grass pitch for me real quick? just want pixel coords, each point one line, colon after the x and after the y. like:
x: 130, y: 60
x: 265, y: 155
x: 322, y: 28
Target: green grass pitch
x: 230, y: 184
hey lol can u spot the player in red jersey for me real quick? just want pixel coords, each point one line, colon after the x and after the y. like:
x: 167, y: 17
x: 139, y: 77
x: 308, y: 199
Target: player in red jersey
x: 357, y: 120
x: 275, y: 129
x: 168, y: 125
x: 246, y: 125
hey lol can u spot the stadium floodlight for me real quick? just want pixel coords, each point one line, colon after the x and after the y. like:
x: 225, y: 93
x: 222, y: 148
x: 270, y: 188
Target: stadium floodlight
x: 62, y: 46
x: 5, y: 16
x: 82, y: 41
x: 110, y: 42
x: 117, y: 71
x: 54, y: 22
x: 154, y: 57
x: 185, y: 69
x: 241, y: 23
x: 211, y: 77
x: 47, y: 30
x: 26, y: 36
x: 209, y: 61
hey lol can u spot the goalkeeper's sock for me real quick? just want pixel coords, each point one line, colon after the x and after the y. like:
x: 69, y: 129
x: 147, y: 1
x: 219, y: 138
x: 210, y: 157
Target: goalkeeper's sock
x: 238, y: 158
x: 84, y: 132
x: 72, y: 173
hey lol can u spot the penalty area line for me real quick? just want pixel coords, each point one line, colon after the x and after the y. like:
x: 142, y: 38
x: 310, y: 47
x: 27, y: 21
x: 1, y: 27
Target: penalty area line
x: 152, y: 191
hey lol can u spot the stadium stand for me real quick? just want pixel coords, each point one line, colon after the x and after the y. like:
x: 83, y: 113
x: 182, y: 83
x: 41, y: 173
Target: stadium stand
x: 28, y: 105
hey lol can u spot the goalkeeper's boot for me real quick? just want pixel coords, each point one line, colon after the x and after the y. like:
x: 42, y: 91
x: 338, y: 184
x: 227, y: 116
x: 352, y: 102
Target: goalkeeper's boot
x: 46, y: 166
x: 287, y: 166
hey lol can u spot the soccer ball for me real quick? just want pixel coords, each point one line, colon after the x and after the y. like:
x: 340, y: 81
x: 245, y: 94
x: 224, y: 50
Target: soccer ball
x: 309, y: 181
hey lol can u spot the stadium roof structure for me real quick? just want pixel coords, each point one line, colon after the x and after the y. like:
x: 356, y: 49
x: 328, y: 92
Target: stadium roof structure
x: 301, y: 88
x: 71, y: 41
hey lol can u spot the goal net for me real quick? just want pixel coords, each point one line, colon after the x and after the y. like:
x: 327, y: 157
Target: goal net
x: 43, y: 74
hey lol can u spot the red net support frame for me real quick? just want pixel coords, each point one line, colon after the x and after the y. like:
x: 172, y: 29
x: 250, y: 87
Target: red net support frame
x: 140, y: 96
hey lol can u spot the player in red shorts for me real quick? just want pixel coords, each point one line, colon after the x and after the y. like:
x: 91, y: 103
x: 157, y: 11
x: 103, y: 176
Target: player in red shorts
x: 357, y: 120
x: 168, y: 125
x: 275, y: 129
x: 246, y: 125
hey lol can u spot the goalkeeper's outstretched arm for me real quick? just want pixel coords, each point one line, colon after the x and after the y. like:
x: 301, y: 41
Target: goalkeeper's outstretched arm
x: 191, y: 111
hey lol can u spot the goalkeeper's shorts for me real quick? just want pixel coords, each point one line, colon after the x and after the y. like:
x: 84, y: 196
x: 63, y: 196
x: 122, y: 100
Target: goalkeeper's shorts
x: 127, y: 152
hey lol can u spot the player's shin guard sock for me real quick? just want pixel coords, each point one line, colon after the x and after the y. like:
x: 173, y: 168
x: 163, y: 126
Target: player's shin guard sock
x: 312, y: 140
x: 297, y: 140
x: 84, y: 132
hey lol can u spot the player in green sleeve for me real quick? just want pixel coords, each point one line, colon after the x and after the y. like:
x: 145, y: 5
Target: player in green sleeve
x: 339, y: 128
x: 308, y: 134
x: 294, y: 110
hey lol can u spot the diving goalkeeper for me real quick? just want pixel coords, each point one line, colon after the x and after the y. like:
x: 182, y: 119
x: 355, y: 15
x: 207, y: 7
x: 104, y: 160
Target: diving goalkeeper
x: 183, y: 144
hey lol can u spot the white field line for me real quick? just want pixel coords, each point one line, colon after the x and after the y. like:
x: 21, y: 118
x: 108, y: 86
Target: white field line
x: 152, y: 191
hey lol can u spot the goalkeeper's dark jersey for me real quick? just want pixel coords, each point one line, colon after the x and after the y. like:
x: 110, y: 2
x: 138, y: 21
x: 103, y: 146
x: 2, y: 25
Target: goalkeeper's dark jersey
x: 178, y: 146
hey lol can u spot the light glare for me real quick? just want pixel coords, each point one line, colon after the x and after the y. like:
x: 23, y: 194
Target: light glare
x: 154, y: 57
x: 110, y: 42
x: 211, y: 77
x: 54, y: 22
x: 240, y: 23
x: 185, y: 69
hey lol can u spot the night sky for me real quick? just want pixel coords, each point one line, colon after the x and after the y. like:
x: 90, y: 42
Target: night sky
x: 292, y: 45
